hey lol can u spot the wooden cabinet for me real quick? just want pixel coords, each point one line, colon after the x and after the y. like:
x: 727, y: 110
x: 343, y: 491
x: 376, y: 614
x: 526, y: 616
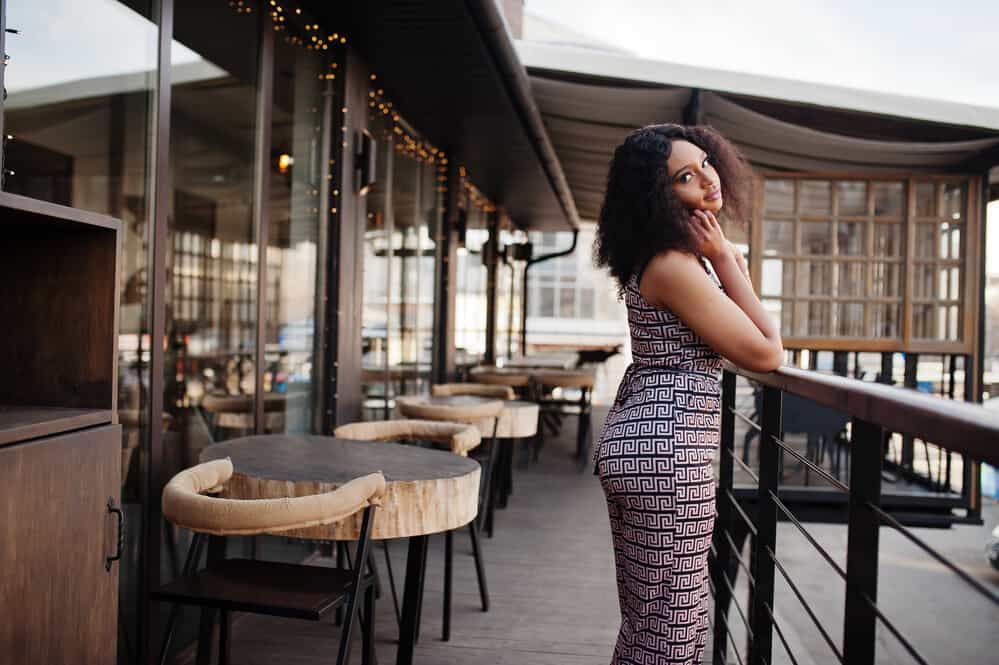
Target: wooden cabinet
x: 58, y: 596
x: 60, y: 445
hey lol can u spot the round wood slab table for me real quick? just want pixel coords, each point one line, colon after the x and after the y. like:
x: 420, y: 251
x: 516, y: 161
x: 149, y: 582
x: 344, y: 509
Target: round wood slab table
x: 518, y: 421
x: 427, y: 491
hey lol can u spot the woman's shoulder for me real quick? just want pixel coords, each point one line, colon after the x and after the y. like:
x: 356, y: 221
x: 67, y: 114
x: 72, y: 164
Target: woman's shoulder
x: 669, y: 269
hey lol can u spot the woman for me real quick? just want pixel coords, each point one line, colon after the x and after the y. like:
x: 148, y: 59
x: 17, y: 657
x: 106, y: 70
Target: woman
x: 657, y: 231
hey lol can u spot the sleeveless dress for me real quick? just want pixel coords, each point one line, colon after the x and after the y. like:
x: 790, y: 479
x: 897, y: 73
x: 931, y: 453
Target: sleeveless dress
x: 654, y: 459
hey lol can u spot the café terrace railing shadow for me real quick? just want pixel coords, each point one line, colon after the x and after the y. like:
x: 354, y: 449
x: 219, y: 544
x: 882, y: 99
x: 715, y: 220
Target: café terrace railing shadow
x: 754, y: 495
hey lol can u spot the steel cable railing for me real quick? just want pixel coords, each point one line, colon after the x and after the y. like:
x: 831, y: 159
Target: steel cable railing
x: 780, y: 635
x: 942, y: 560
x: 797, y: 523
x: 805, y: 605
x: 874, y: 409
x: 814, y: 468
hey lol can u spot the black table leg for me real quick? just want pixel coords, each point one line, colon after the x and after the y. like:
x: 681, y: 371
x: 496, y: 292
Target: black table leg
x: 507, y: 472
x: 416, y: 561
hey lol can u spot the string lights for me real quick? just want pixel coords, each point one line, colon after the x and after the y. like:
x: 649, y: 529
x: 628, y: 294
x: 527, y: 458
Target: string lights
x: 301, y: 31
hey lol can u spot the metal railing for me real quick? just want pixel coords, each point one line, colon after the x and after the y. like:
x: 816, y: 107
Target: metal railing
x: 875, y: 411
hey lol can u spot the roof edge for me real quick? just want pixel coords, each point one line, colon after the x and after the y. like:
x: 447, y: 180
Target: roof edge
x: 610, y: 66
x: 496, y: 36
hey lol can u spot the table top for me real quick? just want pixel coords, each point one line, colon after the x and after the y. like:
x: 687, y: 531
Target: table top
x: 553, y: 360
x: 467, y: 400
x: 427, y: 491
x: 518, y: 419
x: 327, y: 459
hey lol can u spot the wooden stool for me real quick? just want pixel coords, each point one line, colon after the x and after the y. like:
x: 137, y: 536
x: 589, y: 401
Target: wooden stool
x: 263, y: 587
x: 518, y: 422
x: 497, y: 390
x: 546, y: 382
x: 459, y: 439
x: 235, y: 412
x: 518, y: 379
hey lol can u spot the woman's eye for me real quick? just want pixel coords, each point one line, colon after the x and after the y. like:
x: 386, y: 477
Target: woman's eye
x: 685, y: 178
x: 707, y: 160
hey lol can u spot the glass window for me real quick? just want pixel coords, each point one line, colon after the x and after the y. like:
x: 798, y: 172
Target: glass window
x: 816, y: 197
x: 851, y: 279
x: 885, y: 280
x: 297, y: 174
x: 850, y: 319
x: 816, y: 238
x: 953, y: 200
x: 210, y: 364
x: 778, y: 237
x: 887, y: 240
x: 889, y: 199
x: 586, y: 303
x: 77, y: 114
x: 777, y: 277
x: 814, y: 278
x: 851, y: 238
x: 546, y: 301
x: 779, y: 197
x: 884, y: 320
x: 926, y: 199
x: 852, y: 198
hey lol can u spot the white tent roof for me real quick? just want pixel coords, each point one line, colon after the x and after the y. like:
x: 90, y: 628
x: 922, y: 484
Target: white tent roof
x: 590, y: 100
x: 605, y: 64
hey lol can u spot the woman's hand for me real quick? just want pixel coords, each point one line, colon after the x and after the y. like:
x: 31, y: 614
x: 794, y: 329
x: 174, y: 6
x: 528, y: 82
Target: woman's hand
x: 709, y: 241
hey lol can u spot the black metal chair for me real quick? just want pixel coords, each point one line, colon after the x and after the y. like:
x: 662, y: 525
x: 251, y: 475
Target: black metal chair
x: 553, y: 408
x: 226, y: 585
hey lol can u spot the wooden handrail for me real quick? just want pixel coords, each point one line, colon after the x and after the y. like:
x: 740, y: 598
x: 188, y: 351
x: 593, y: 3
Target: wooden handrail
x: 962, y: 427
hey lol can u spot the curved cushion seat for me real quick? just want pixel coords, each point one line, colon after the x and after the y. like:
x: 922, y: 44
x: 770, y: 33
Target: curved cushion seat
x: 465, y: 413
x: 459, y: 438
x: 565, y: 379
x: 500, y: 376
x: 476, y: 389
x: 186, y: 506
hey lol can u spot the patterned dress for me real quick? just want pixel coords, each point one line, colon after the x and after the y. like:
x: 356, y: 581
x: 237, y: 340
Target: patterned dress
x: 654, y: 459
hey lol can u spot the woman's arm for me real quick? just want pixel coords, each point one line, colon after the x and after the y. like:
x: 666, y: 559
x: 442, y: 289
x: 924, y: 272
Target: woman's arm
x: 733, y: 323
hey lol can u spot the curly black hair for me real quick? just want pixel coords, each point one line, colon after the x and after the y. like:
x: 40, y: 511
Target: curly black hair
x: 640, y: 217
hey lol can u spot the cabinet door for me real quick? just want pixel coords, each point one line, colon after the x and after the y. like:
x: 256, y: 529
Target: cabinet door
x: 58, y: 601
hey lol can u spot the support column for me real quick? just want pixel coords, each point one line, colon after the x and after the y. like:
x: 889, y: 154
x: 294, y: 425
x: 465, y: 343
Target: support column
x: 491, y: 256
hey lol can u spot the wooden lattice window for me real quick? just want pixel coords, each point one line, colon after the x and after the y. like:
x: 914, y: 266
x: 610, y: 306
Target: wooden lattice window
x: 879, y: 263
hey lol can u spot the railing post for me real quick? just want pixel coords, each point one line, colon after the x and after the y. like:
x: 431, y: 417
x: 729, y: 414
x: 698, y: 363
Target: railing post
x: 860, y: 621
x: 761, y: 646
x: 723, y: 523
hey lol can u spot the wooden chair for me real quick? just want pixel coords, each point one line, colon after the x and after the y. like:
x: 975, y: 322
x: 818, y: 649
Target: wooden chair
x: 264, y: 587
x: 514, y: 425
x: 458, y: 438
x: 477, y: 389
x: 554, y: 408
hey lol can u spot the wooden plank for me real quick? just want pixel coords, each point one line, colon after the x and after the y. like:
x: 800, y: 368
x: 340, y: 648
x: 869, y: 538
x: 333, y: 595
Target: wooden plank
x: 21, y: 423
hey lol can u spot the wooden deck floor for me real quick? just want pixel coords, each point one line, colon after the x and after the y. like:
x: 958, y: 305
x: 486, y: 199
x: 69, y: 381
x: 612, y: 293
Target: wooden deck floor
x: 551, y: 580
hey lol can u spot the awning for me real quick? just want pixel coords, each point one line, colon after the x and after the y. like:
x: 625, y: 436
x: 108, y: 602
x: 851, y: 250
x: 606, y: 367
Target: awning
x: 452, y: 71
x: 591, y: 100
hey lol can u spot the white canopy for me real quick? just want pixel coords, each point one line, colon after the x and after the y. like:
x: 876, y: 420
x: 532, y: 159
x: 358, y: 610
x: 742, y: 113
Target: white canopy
x: 591, y: 99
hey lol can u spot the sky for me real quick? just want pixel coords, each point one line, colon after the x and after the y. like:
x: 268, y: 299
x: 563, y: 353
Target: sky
x: 938, y: 50
x: 942, y: 50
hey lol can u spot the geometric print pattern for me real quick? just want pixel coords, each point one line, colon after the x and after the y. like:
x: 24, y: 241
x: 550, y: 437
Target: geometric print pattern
x: 654, y: 460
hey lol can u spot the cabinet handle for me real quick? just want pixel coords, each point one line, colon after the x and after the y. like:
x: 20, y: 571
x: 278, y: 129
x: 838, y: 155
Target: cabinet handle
x: 121, y: 534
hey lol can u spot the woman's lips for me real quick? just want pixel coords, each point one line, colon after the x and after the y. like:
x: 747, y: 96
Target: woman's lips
x: 713, y: 196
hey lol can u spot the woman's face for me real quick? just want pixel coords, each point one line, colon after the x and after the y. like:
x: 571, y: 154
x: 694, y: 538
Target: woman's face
x: 693, y: 177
